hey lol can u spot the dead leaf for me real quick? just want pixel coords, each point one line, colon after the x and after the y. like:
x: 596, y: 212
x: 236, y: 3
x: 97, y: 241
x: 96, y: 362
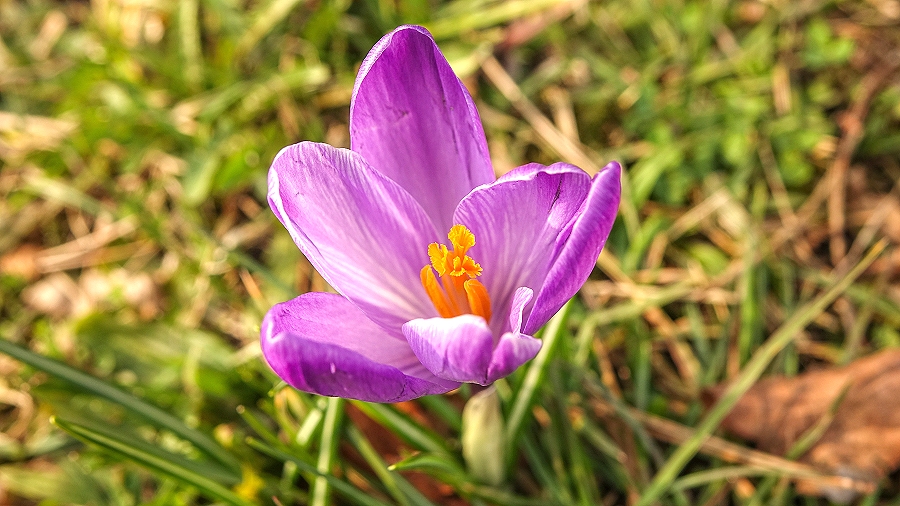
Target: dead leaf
x: 861, y: 441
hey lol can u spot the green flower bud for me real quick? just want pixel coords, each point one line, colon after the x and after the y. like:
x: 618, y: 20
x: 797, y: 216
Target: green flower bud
x: 483, y: 434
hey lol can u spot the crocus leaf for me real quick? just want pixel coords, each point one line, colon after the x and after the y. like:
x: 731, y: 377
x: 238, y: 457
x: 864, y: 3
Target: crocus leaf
x: 149, y: 412
x: 344, y: 488
x: 154, y: 459
x: 404, y: 427
x: 429, y: 462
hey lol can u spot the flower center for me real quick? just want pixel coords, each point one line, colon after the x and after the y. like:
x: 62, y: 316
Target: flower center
x: 457, y: 292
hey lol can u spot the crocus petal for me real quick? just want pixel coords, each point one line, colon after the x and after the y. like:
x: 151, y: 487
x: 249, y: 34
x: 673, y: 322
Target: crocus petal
x: 512, y: 351
x: 514, y: 348
x: 520, y: 300
x: 321, y: 343
x: 517, y: 221
x: 364, y: 233
x: 456, y: 349
x: 578, y: 250
x: 463, y: 349
x: 413, y: 120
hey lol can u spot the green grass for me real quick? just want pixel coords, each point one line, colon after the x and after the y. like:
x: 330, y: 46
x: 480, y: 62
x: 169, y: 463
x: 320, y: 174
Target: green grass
x: 138, y: 256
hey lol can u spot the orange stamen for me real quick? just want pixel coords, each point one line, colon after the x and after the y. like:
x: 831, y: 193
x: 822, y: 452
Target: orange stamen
x: 465, y: 265
x: 438, y: 255
x: 458, y: 292
x: 461, y: 238
x: 479, y: 302
x: 435, y: 293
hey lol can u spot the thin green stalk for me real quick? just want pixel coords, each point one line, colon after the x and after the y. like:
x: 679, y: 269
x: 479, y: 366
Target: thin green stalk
x: 633, y: 309
x: 151, y: 458
x: 720, y: 474
x: 264, y: 20
x: 368, y: 452
x: 487, y: 16
x: 259, y: 427
x: 534, y: 377
x: 542, y: 471
x: 188, y: 26
x: 403, y: 427
x: 331, y: 435
x: 439, y: 406
x: 343, y: 487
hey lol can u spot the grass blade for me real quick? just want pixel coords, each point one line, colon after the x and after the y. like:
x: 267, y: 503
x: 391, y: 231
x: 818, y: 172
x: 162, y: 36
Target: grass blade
x: 403, y: 427
x: 533, y: 378
x: 751, y: 372
x: 327, y: 450
x: 347, y: 490
x: 149, y: 412
x: 158, y: 460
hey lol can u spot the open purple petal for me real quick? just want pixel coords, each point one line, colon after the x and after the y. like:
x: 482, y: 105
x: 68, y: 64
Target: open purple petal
x: 520, y: 300
x: 321, y: 343
x: 517, y: 222
x: 463, y: 348
x: 514, y: 348
x: 413, y: 120
x: 512, y: 351
x: 364, y: 233
x: 578, y: 250
x: 456, y: 349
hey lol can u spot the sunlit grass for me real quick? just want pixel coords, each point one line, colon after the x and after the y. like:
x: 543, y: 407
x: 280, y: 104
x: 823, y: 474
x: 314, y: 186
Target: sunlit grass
x: 757, y: 236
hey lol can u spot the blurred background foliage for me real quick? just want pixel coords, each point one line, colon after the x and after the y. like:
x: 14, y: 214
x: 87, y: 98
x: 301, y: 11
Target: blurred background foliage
x: 137, y: 254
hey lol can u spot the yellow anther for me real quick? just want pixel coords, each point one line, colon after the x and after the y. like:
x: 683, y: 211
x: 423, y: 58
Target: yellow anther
x: 438, y: 254
x: 465, y: 265
x: 461, y: 238
x: 457, y: 292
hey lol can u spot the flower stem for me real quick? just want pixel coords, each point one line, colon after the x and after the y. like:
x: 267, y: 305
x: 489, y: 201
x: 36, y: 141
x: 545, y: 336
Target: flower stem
x: 331, y: 429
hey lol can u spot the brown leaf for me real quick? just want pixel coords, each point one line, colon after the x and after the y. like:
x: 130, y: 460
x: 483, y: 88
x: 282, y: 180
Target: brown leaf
x: 862, y: 439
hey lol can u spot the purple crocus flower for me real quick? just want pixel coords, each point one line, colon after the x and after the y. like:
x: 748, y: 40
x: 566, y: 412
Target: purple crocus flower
x: 418, y: 314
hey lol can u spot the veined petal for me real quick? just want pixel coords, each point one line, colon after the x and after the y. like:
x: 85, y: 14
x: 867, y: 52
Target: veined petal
x: 578, y: 250
x: 413, y: 120
x: 364, y: 233
x: 463, y: 348
x: 517, y: 222
x: 321, y: 343
x: 456, y: 349
x: 514, y: 348
x: 520, y: 300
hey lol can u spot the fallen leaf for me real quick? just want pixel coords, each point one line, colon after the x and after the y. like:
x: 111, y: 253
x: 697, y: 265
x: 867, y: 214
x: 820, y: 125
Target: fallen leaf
x: 858, y: 406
